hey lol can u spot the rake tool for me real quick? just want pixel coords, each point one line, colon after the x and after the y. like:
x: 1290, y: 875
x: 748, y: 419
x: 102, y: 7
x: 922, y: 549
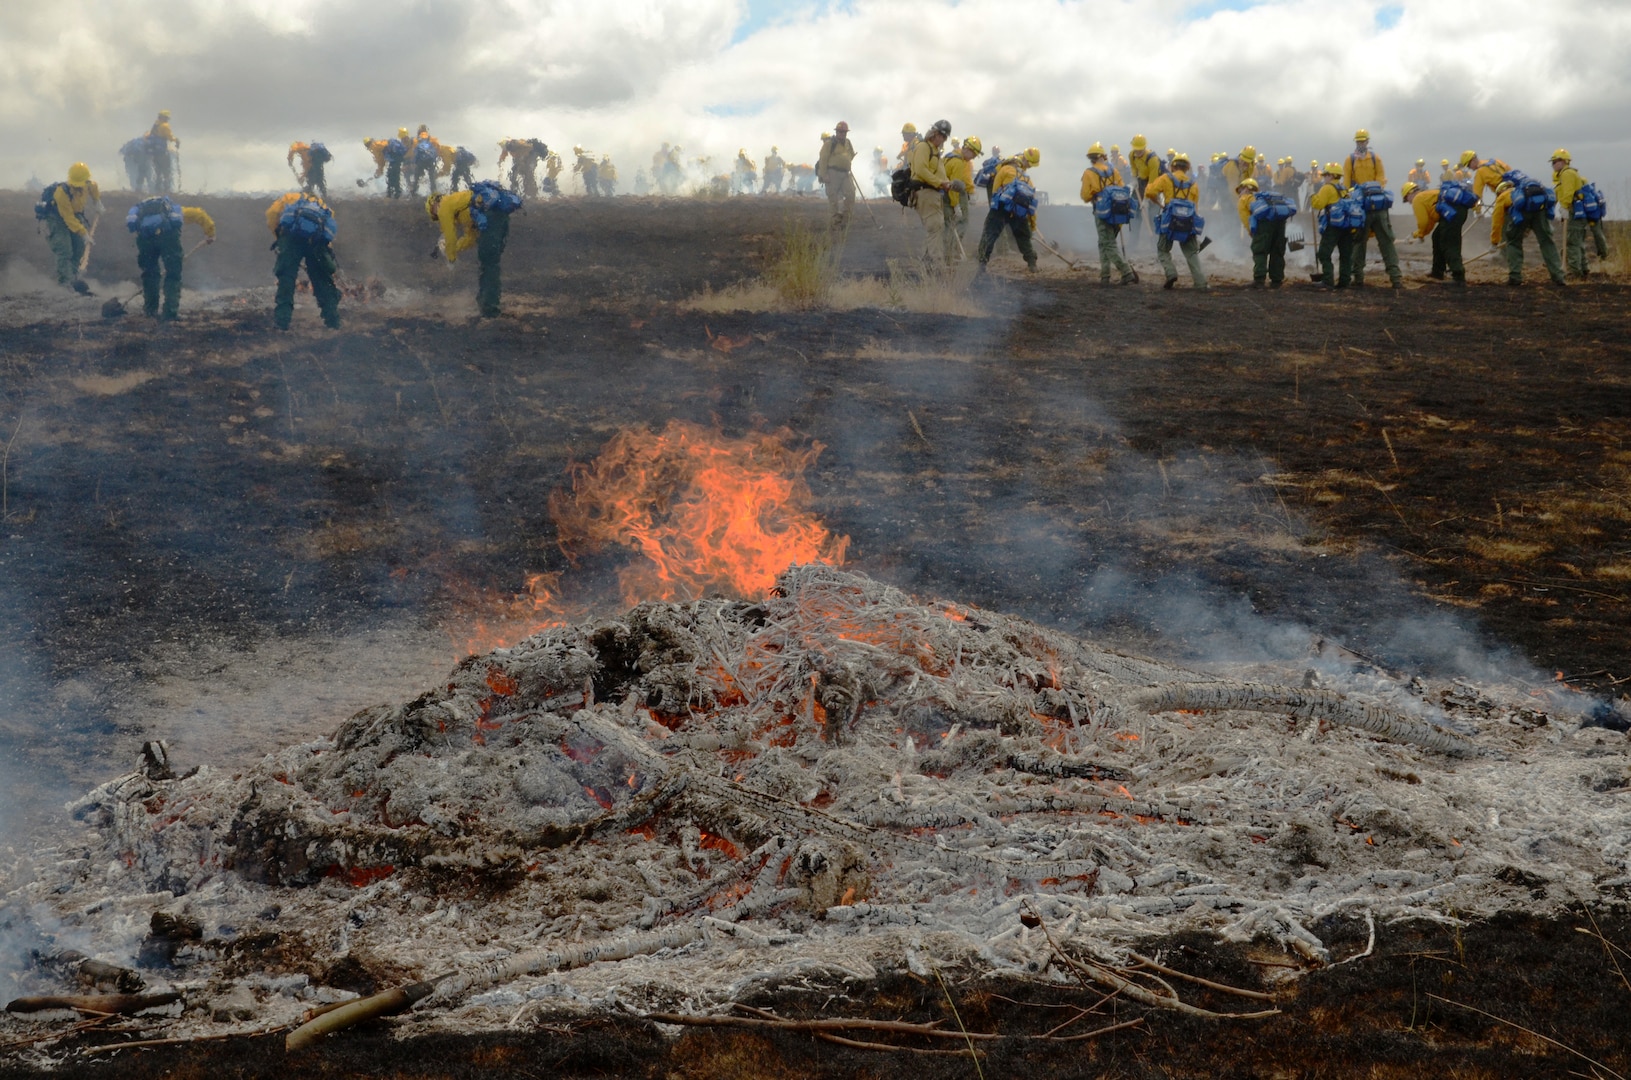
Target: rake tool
x: 113, y: 309
x: 1122, y: 240
x: 1049, y: 246
x: 862, y: 196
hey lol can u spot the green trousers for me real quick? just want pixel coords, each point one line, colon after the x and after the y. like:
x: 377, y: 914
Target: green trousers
x: 393, y: 180
x: 1515, y: 232
x: 1575, y: 243
x: 1109, y: 253
x: 1342, y: 242
x: 1447, y: 247
x: 1192, y: 256
x: 69, y: 247
x: 1020, y: 225
x: 320, y: 268
x: 151, y: 252
x: 1269, y: 252
x: 489, y: 250
x: 1376, y: 222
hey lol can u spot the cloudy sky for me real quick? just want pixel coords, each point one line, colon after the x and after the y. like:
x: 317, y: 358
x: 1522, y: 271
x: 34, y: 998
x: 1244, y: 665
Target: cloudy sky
x: 1427, y: 77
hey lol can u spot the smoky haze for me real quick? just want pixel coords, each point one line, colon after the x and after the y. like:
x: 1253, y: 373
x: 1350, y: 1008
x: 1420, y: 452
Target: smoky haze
x: 1292, y: 78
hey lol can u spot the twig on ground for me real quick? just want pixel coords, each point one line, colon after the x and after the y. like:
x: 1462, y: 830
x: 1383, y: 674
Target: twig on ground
x: 1370, y: 946
x: 955, y: 1015
x: 257, y: 1033
x: 5, y: 462
x: 1530, y: 1031
x: 1256, y: 995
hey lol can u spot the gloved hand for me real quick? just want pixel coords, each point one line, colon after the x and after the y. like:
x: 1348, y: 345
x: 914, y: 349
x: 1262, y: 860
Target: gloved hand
x: 959, y: 187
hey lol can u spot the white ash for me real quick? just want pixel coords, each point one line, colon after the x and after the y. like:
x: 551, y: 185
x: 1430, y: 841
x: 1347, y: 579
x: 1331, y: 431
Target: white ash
x: 834, y: 782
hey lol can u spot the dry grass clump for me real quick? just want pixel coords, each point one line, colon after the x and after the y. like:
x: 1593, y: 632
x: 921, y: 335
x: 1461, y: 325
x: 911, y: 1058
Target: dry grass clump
x: 1498, y: 550
x: 1618, y: 263
x: 805, y: 268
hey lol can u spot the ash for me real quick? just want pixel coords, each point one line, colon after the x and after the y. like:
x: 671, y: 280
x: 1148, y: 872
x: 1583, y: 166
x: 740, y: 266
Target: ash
x: 691, y: 802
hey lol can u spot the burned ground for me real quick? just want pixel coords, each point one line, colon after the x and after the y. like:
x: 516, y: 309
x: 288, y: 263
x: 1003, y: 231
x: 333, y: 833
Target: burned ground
x: 1435, y: 480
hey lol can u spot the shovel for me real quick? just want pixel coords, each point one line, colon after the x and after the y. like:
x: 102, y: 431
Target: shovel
x: 1044, y: 241
x: 113, y: 309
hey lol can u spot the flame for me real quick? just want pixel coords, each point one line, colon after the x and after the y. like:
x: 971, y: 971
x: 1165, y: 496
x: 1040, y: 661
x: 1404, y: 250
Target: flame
x: 709, y: 513
x: 490, y: 620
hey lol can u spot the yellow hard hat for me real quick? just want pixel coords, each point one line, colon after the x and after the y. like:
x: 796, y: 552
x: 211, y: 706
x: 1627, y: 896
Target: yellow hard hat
x: 1314, y: 164
x: 973, y: 143
x: 164, y: 114
x: 1249, y: 154
x: 1561, y: 155
x: 1362, y: 135
x: 1032, y: 156
x: 742, y: 151
x: 826, y: 134
x: 1409, y: 189
x: 402, y: 133
x: 1467, y: 158
x: 1096, y: 150
x: 908, y: 128
x: 1180, y: 160
x: 1445, y: 162
x: 1115, y: 148
x: 368, y: 144
x: 773, y: 150
x: 1331, y: 169
x: 1170, y: 151
x: 1140, y: 142
x: 1248, y: 183
x: 430, y: 205
x: 1504, y: 185
x: 79, y: 174
x: 1219, y: 156
x: 1421, y: 161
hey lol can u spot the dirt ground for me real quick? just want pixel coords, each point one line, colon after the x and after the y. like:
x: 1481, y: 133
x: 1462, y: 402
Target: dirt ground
x: 1437, y: 480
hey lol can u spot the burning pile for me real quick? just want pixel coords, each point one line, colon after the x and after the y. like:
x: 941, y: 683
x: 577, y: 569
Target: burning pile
x: 722, y: 794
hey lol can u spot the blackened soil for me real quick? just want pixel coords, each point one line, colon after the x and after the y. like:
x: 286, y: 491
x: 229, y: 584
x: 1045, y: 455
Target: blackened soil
x: 1407, y: 1010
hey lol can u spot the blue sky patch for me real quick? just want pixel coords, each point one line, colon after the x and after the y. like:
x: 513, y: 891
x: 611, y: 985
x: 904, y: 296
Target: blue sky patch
x: 1205, y: 9
x: 737, y: 108
x: 762, y: 14
x: 1388, y: 17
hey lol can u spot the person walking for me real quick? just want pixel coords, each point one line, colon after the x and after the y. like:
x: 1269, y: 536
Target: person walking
x: 929, y: 179
x: 833, y: 169
x: 1173, y: 195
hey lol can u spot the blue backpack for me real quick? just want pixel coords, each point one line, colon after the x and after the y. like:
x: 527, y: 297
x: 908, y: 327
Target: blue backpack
x: 396, y: 151
x: 1455, y: 197
x: 487, y: 197
x: 988, y: 172
x: 1114, y: 205
x: 1018, y: 198
x: 46, y: 208
x: 320, y: 154
x: 154, y: 217
x: 1589, y: 204
x: 307, y: 219
x: 1346, y: 213
x: 424, y: 154
x: 463, y: 158
x: 1180, y: 220
x: 1530, y: 198
x: 1271, y: 206
x: 1373, y: 196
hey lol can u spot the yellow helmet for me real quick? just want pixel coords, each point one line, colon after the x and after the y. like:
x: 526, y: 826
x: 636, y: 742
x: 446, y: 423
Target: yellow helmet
x: 1248, y: 183
x: 1421, y: 161
x: 1115, y: 148
x: 908, y: 128
x: 79, y: 174
x: 1180, y: 161
x: 1140, y: 142
x: 741, y: 151
x: 1314, y: 164
x: 973, y: 143
x: 402, y: 133
x: 1170, y: 151
x: 1409, y: 189
x: 1362, y: 135
x: 826, y: 135
x: 1032, y: 156
x: 1504, y: 185
x: 1467, y: 158
x: 774, y: 150
x: 164, y: 114
x: 1331, y: 169
x: 1562, y: 155
x: 1096, y: 150
x: 431, y: 204
x: 1219, y: 156
x: 1249, y: 154
x: 1445, y: 162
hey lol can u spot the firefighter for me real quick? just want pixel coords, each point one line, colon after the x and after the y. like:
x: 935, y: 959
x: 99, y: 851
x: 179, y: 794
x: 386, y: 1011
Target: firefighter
x: 931, y: 183
x: 775, y: 170
x: 1447, y: 174
x: 157, y: 223
x: 313, y: 157
x: 1364, y: 166
x: 1575, y: 214
x: 480, y: 219
x: 377, y: 150
x: 959, y: 169
x: 1483, y: 173
x: 160, y: 139
x: 464, y: 161
x: 1508, y: 228
x: 1265, y: 214
x: 1333, y: 237
x: 138, y: 163
x: 1119, y: 163
x: 1145, y: 167
x: 832, y: 169
x: 745, y: 174
x: 608, y: 176
x: 64, y: 207
x: 1418, y: 175
x: 1241, y: 167
x: 553, y: 166
x: 523, y: 162
x: 424, y: 160
x: 880, y: 171
x: 1444, y: 230
x: 1099, y: 175
x: 1161, y: 193
x: 302, y: 151
x: 1013, y: 207
x: 304, y: 229
x: 908, y: 139
x: 396, y: 154
x: 585, y: 167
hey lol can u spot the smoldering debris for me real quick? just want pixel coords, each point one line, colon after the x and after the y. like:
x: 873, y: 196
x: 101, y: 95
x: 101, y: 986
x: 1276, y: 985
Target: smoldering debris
x: 671, y: 808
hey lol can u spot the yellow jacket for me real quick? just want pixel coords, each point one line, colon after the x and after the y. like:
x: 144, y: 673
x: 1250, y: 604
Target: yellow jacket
x: 958, y: 168
x: 458, y: 231
x: 71, y: 202
x: 1163, y: 188
x: 1245, y: 207
x: 1096, y: 179
x: 1006, y: 173
x: 553, y: 166
x: 1497, y: 217
x: 929, y: 170
x: 1449, y: 174
x: 1284, y: 175
x: 1419, y: 177
x: 1326, y: 196
x: 1146, y: 166
x: 1425, y: 204
x: 447, y: 154
x: 1359, y: 168
x: 1234, y: 171
x: 303, y: 152
x: 1488, y: 175
x: 275, y: 211
x: 1569, y: 182
x: 376, y: 149
x: 836, y: 153
x: 519, y: 149
x: 161, y: 130
x: 608, y: 171
x: 774, y: 163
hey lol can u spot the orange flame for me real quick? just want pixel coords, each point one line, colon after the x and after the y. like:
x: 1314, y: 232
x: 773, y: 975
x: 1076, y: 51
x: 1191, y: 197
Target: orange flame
x: 489, y: 621
x: 709, y: 513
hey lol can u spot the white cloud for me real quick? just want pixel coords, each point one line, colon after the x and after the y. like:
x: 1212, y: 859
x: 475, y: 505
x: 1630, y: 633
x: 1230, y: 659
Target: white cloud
x: 1289, y: 76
